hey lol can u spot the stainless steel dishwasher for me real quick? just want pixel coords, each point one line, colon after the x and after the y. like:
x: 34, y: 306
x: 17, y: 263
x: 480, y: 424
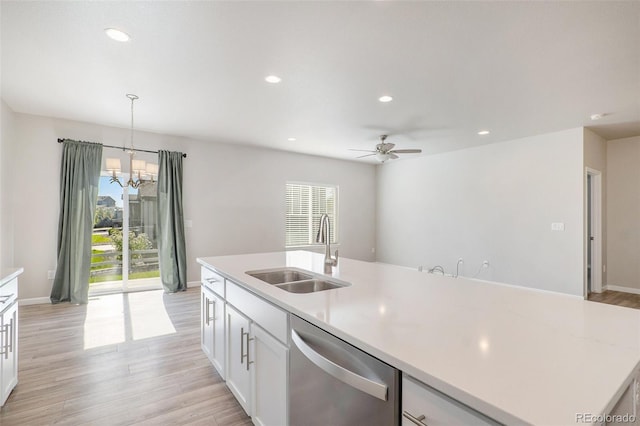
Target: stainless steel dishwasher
x: 334, y: 383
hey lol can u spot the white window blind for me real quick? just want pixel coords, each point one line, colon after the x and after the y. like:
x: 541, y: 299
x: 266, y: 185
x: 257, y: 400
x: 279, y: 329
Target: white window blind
x: 305, y: 204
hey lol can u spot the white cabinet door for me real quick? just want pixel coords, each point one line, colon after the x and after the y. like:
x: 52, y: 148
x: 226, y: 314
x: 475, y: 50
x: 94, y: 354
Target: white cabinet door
x: 269, y: 378
x: 423, y: 405
x: 218, y: 317
x: 238, y: 373
x: 8, y: 351
x: 206, y: 322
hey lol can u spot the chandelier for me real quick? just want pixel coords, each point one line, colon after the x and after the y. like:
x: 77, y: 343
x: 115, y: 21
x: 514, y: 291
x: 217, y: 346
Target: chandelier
x: 145, y: 172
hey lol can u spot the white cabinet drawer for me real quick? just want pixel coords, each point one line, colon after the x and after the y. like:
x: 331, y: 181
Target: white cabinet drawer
x: 269, y: 317
x: 420, y: 400
x: 212, y: 281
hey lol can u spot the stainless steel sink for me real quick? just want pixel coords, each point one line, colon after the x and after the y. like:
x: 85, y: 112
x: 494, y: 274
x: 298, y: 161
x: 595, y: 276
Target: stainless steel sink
x: 280, y: 276
x: 295, y: 280
x: 309, y: 286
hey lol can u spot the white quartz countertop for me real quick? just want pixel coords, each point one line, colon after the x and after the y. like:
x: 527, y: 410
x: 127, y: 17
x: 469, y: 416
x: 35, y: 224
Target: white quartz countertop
x: 515, y: 354
x: 8, y: 274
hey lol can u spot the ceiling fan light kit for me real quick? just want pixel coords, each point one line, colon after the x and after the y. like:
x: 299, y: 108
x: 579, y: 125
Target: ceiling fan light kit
x: 384, y: 151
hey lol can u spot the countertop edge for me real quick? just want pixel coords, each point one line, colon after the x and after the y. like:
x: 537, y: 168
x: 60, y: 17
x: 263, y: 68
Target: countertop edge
x: 10, y: 273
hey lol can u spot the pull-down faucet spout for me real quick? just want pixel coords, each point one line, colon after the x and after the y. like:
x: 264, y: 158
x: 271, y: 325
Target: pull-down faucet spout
x: 324, y: 237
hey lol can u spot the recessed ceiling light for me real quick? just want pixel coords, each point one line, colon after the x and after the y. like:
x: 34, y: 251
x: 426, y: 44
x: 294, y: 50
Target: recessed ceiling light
x: 291, y: 139
x: 272, y: 79
x: 117, y: 35
x: 483, y: 132
x: 385, y: 98
x: 595, y: 117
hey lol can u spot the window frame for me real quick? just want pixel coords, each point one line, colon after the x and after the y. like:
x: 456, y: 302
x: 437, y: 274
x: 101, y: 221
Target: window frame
x: 335, y: 222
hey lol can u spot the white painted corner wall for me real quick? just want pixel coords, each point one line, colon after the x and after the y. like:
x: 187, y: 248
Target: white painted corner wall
x: 6, y: 230
x: 492, y: 202
x: 234, y: 195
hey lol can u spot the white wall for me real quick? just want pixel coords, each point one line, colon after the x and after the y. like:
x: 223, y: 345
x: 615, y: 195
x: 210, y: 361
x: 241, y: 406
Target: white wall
x: 234, y: 195
x: 595, y: 157
x: 623, y: 206
x: 493, y: 202
x: 6, y: 229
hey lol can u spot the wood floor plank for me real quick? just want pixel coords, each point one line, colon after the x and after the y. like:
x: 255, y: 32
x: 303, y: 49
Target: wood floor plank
x: 81, y: 365
x: 619, y: 298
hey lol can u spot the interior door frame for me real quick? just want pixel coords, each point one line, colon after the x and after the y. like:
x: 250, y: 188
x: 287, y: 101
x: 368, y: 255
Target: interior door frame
x: 596, y: 230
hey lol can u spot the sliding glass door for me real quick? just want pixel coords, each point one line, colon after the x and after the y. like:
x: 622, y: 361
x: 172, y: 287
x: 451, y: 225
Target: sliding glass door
x: 125, y: 248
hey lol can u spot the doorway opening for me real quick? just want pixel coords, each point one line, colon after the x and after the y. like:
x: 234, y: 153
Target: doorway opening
x: 124, y: 241
x: 593, y: 232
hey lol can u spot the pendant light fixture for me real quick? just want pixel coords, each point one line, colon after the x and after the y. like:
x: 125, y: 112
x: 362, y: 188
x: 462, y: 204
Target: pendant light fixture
x: 146, y: 173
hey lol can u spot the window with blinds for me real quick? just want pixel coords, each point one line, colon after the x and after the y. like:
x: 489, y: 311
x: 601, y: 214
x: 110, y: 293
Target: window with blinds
x: 305, y: 204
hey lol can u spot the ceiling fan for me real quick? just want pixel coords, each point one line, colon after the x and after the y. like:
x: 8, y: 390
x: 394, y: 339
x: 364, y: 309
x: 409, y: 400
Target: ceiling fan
x: 384, y: 150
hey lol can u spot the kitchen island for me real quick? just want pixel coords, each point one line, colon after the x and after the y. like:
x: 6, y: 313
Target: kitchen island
x: 514, y: 354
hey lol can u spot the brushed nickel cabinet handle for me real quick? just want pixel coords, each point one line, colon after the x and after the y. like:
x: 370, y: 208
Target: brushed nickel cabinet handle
x: 248, y: 340
x: 242, y: 355
x: 11, y: 338
x: 416, y: 420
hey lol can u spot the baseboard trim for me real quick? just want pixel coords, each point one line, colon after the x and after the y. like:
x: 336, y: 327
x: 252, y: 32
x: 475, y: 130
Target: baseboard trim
x: 622, y: 289
x: 45, y: 300
x: 34, y: 301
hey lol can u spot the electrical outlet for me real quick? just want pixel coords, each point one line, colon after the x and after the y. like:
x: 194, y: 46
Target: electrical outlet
x: 51, y: 274
x: 460, y: 260
x: 485, y: 264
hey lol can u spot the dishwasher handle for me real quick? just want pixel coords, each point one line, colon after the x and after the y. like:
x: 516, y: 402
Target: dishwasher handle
x: 371, y: 387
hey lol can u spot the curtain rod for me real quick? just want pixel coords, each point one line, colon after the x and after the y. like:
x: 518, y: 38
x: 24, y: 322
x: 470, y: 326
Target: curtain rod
x: 127, y: 149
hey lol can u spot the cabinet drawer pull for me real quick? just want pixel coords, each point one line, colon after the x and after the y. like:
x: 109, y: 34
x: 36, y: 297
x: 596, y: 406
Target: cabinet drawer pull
x: 3, y: 299
x: 416, y: 420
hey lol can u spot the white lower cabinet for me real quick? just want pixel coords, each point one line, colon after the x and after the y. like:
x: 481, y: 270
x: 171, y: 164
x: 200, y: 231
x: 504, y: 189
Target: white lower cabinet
x: 8, y: 350
x: 269, y: 378
x: 423, y: 405
x: 212, y: 329
x: 238, y: 367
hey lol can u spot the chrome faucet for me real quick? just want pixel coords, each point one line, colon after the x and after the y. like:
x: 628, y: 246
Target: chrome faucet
x: 324, y: 237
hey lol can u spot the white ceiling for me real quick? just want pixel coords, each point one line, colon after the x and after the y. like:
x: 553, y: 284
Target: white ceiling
x: 453, y: 68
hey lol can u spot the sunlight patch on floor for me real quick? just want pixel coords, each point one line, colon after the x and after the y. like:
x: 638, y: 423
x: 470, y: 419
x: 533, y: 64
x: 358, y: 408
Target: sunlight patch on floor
x: 149, y: 317
x: 116, y: 318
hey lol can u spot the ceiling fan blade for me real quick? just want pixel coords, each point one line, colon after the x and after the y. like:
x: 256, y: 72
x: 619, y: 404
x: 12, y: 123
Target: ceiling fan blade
x: 406, y: 151
x: 387, y: 146
x: 366, y: 155
x: 392, y: 155
x: 363, y: 150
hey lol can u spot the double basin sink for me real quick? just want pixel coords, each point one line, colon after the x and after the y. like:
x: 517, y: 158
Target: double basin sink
x: 296, y: 280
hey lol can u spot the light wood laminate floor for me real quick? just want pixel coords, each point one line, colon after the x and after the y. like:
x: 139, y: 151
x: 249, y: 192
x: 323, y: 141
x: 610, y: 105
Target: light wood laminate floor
x: 619, y: 298
x: 122, y: 359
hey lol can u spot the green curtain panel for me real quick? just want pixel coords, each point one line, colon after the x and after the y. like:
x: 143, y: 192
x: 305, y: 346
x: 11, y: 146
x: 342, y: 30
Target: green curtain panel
x: 171, y: 242
x: 79, y: 181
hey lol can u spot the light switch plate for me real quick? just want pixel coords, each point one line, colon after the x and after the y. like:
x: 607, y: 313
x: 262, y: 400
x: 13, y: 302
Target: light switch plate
x: 557, y: 226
